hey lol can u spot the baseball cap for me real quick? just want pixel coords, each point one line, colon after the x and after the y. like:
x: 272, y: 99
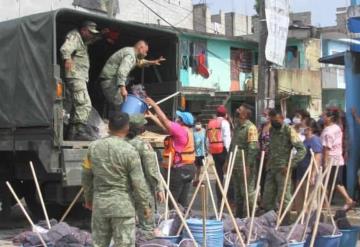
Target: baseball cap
x: 138, y: 120
x: 91, y: 26
x: 221, y: 109
x: 186, y: 117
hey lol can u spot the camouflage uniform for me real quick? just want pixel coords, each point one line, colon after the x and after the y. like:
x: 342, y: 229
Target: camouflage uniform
x: 115, y: 73
x: 246, y: 138
x: 76, y: 79
x: 151, y: 172
x: 281, y: 143
x: 111, y: 175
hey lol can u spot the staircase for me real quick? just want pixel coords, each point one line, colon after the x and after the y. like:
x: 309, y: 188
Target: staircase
x: 209, y: 111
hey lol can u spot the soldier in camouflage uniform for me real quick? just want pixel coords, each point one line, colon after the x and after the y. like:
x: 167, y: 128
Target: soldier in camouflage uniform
x: 246, y: 138
x: 283, y: 139
x: 74, y: 52
x: 117, y: 68
x: 111, y: 176
x: 150, y: 169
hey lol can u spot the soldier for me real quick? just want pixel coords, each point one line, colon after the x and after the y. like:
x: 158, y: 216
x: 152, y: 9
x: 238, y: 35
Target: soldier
x: 150, y: 169
x: 246, y: 138
x: 74, y: 51
x: 111, y: 175
x: 117, y: 68
x: 283, y: 139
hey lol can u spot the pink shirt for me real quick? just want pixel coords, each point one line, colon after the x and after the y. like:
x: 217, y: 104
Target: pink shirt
x: 331, y: 138
x: 180, y: 136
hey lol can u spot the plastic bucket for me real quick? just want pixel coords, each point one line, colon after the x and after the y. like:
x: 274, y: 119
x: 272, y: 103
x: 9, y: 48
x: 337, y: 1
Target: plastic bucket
x: 133, y: 105
x: 328, y: 241
x: 257, y: 243
x: 214, y: 232
x: 172, y: 239
x: 349, y: 237
x: 297, y: 244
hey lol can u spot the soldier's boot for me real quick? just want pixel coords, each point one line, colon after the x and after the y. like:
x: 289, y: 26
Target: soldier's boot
x: 71, y: 132
x: 82, y: 134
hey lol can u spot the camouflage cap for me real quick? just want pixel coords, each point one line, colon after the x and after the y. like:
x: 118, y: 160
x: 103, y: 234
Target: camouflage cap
x: 138, y: 120
x: 91, y: 26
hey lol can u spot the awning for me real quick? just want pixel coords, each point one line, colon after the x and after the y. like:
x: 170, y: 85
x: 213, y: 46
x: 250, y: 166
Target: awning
x: 337, y: 59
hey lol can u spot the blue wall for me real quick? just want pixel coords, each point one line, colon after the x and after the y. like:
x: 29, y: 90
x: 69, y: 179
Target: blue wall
x: 355, y: 2
x: 219, y: 65
x: 330, y: 47
x: 352, y: 77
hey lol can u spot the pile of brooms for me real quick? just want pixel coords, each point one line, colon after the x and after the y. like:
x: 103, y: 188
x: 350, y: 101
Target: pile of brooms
x: 314, y: 200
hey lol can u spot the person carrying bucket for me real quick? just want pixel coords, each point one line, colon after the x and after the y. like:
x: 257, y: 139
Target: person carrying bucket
x: 117, y: 68
x: 179, y: 146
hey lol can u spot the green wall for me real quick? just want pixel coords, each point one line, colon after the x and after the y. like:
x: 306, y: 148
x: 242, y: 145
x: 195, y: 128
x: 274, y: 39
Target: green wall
x: 218, y: 61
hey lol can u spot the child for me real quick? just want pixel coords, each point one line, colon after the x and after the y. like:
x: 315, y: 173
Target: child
x: 200, y: 150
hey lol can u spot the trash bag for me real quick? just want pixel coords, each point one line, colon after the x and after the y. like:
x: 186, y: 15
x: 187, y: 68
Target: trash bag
x: 157, y: 243
x: 341, y: 220
x: 325, y: 229
x: 187, y: 243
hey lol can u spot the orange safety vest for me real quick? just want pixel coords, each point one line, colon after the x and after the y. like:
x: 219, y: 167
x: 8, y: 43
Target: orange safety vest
x: 214, y: 135
x: 186, y: 157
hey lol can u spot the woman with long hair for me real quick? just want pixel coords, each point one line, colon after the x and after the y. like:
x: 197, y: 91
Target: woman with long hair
x: 312, y: 142
x: 332, y: 141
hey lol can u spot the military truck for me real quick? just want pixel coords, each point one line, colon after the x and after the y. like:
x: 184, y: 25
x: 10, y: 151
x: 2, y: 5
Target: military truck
x: 32, y: 98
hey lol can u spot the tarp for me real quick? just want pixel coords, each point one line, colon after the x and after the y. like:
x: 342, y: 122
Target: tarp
x: 27, y: 87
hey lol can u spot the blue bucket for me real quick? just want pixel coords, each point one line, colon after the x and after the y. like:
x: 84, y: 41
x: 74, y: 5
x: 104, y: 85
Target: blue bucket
x: 325, y: 241
x: 257, y: 243
x: 296, y: 244
x: 172, y: 239
x: 214, y: 232
x: 349, y: 237
x: 133, y: 105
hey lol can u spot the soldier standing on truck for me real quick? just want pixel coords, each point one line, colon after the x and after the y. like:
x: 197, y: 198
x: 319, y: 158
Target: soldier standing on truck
x: 74, y: 52
x: 117, y: 68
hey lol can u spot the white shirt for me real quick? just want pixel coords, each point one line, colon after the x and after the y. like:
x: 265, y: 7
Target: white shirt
x: 225, y: 132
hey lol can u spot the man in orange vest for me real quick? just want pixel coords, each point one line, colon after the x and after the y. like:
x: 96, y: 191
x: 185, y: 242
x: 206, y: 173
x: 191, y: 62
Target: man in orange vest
x: 179, y: 147
x: 219, y: 139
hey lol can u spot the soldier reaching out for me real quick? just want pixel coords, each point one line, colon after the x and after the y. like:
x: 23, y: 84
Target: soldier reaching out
x: 118, y: 67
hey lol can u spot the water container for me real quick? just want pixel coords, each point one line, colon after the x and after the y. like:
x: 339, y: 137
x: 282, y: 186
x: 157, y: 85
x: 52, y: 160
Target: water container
x: 133, y: 105
x: 172, y: 239
x: 326, y: 241
x: 214, y: 232
x: 296, y: 244
x: 349, y: 237
x: 257, y: 243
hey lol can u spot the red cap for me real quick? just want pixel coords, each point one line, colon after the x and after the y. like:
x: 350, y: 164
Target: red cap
x: 221, y: 109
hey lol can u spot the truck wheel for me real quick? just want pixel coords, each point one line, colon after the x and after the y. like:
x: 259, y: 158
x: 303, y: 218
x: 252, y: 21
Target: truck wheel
x: 32, y: 203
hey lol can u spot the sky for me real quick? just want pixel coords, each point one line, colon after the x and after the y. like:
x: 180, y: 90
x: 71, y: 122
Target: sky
x: 323, y: 11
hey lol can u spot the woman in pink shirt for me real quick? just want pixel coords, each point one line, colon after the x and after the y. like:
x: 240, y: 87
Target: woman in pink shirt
x: 331, y: 139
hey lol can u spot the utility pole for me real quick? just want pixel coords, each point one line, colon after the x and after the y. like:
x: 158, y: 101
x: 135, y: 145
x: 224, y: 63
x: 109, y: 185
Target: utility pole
x: 263, y: 79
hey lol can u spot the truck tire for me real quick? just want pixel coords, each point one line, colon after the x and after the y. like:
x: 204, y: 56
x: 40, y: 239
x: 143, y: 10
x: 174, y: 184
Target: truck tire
x: 6, y: 201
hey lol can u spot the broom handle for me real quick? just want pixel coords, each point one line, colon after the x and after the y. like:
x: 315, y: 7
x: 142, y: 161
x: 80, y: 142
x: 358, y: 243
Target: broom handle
x: 257, y: 191
x: 25, y: 213
x: 168, y: 182
x: 212, y: 196
x: 285, y: 187
x: 202, y: 177
x: 294, y: 195
x: 245, y: 183
x: 40, y: 195
x: 72, y: 204
x: 228, y: 207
